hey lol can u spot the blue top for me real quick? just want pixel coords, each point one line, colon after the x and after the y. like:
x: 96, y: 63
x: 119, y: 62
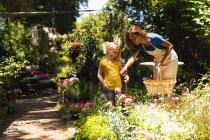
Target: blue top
x: 156, y: 40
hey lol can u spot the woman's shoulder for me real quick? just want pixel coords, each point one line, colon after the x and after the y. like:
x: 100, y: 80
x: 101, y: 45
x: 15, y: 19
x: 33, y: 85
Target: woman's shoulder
x: 155, y: 39
x: 155, y: 35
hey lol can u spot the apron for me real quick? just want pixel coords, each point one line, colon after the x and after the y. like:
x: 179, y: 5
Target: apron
x: 170, y: 64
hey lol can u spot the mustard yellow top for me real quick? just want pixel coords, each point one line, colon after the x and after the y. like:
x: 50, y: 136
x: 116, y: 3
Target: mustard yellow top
x: 111, y: 73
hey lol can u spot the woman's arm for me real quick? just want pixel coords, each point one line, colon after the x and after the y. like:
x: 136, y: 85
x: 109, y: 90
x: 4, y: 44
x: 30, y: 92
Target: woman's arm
x: 129, y: 62
x: 169, y: 47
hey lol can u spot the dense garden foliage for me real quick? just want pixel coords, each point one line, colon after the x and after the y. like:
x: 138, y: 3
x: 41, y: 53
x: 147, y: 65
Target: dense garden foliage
x: 70, y: 68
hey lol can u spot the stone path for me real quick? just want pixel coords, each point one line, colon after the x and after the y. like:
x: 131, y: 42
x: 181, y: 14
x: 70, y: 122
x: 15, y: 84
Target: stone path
x: 35, y: 118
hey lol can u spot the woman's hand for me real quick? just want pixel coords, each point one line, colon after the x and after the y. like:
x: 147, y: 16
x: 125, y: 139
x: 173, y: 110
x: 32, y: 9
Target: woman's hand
x: 159, y: 65
x: 126, y: 79
x: 130, y: 62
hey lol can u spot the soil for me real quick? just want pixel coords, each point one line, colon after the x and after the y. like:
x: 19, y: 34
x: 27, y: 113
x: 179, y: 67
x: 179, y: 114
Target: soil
x: 34, y: 118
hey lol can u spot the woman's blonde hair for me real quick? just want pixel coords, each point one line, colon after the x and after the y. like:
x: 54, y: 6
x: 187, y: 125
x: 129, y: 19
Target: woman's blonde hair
x: 133, y: 30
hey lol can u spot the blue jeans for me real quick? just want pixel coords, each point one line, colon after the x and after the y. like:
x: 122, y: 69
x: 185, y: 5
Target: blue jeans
x: 110, y: 95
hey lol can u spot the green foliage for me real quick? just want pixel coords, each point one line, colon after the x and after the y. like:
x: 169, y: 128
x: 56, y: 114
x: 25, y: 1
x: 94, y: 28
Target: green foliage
x: 69, y: 89
x: 9, y: 68
x: 17, y: 40
x: 87, y: 89
x: 64, y: 71
x: 203, y: 87
x: 88, y: 56
x: 95, y: 127
x: 94, y: 24
x: 62, y: 112
x: 62, y: 23
x: 195, y: 109
x: 119, y: 124
x: 3, y: 112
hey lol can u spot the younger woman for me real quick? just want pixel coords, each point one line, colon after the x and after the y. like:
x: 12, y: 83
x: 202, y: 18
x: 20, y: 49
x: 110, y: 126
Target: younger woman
x: 109, y: 71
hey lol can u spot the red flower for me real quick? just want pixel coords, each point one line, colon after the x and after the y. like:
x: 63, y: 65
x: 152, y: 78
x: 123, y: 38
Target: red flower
x: 42, y: 75
x: 35, y: 72
x: 75, y: 45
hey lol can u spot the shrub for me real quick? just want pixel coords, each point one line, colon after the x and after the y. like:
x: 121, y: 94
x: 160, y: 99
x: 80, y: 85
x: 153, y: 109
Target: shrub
x: 96, y: 127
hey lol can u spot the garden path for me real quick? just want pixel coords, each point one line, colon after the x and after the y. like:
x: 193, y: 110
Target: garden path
x: 35, y: 118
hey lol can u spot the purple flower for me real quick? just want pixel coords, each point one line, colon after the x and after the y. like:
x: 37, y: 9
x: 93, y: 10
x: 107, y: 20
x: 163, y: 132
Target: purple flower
x: 102, y: 95
x: 122, y: 96
x: 152, y: 106
x: 117, y: 90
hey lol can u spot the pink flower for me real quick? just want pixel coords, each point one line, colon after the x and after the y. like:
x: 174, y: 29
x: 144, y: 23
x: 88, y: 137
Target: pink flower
x: 117, y: 90
x: 152, y: 106
x: 147, y: 134
x: 35, y: 72
x: 74, y: 79
x: 102, y: 95
x: 42, y: 75
x: 155, y: 100
x: 70, y: 84
x: 82, y: 105
x: 176, y: 98
x: 65, y: 80
x: 128, y: 100
x: 122, y: 96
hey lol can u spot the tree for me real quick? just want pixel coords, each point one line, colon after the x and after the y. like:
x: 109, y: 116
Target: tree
x: 62, y: 22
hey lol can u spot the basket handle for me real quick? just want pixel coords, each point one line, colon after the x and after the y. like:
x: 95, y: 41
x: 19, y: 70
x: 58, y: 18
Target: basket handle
x: 159, y: 77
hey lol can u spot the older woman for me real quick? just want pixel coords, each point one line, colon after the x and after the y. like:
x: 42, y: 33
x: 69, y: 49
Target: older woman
x: 165, y: 58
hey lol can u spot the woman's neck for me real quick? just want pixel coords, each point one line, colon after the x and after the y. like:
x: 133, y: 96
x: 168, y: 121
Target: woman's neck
x: 146, y: 42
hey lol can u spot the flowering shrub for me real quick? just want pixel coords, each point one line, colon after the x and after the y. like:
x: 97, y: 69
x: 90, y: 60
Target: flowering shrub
x: 122, y: 98
x: 174, y: 117
x: 160, y: 124
x: 95, y: 127
x: 80, y: 105
x: 68, y: 88
x: 74, y: 49
x: 75, y: 46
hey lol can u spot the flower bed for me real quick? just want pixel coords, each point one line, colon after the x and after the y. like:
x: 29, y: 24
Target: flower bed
x: 173, y: 117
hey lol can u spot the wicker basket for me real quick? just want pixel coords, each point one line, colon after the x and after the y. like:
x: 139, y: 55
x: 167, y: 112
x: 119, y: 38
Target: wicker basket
x: 159, y: 86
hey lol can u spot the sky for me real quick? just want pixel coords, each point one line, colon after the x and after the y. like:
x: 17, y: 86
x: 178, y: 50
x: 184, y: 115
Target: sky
x: 93, y: 5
